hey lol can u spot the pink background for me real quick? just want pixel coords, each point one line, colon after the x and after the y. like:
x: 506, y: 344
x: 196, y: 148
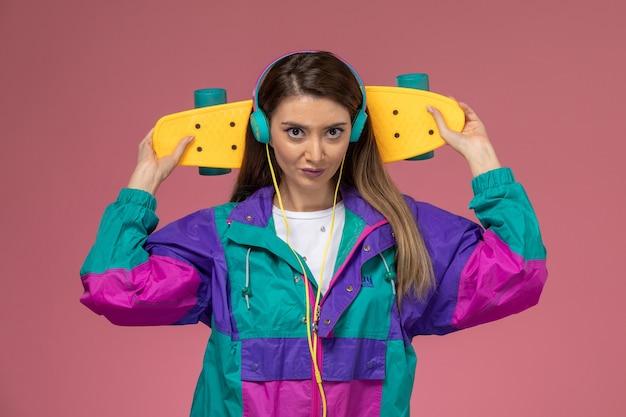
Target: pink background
x: 82, y: 81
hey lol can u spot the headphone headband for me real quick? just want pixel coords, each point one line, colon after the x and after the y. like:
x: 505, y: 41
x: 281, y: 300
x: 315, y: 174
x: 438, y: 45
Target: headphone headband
x: 260, y: 123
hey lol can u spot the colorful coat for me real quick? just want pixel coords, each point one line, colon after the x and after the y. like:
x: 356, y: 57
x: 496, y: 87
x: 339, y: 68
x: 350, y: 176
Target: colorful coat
x: 226, y: 267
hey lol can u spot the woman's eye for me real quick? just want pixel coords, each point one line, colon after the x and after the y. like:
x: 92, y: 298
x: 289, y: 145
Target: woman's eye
x: 294, y: 132
x: 334, y: 132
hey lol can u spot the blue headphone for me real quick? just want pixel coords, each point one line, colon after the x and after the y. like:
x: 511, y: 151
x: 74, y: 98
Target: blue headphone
x: 260, y: 123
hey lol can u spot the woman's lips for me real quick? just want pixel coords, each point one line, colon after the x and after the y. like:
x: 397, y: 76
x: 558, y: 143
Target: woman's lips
x: 312, y: 173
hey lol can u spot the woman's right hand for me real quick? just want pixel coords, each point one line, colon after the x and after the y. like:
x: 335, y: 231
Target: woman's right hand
x: 151, y: 170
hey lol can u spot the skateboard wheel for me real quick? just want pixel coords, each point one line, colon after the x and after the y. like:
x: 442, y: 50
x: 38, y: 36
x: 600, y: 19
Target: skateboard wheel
x: 210, y: 97
x: 419, y: 82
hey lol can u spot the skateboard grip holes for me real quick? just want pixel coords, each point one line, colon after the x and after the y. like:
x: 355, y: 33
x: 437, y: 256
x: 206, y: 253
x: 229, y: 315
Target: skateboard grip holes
x: 234, y: 147
x: 199, y: 149
x: 396, y: 135
x: 431, y: 132
x: 232, y: 124
x: 198, y: 126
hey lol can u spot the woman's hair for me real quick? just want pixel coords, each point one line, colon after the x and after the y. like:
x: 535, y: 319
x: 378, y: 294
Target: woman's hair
x: 321, y: 74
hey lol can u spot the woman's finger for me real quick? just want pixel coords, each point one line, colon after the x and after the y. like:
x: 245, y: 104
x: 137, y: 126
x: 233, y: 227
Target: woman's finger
x: 180, y: 148
x: 439, y: 120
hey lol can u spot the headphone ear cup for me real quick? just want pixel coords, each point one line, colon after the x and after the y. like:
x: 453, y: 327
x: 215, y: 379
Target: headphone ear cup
x: 358, y: 126
x: 260, y: 126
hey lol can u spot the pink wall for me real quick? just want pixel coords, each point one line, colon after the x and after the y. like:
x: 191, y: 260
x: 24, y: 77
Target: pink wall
x: 81, y: 82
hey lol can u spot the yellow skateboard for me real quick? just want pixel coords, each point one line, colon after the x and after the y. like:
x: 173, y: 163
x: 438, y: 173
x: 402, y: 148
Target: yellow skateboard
x: 403, y: 127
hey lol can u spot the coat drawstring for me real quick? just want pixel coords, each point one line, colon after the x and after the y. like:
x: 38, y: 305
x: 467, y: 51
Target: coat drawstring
x: 246, y: 291
x: 389, y: 275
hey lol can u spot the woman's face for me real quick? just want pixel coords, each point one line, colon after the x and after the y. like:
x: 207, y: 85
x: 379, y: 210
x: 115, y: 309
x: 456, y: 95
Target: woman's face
x: 310, y: 137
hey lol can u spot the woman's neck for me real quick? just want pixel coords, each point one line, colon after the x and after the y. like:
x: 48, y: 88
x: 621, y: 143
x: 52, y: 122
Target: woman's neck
x: 313, y: 200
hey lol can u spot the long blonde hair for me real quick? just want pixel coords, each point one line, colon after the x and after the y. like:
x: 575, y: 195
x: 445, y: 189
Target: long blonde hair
x: 321, y: 74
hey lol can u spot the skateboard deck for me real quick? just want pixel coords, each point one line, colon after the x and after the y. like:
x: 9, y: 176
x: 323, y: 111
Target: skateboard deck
x: 402, y: 126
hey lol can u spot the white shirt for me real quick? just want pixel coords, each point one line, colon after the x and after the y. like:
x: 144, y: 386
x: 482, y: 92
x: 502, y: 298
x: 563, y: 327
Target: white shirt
x: 308, y: 236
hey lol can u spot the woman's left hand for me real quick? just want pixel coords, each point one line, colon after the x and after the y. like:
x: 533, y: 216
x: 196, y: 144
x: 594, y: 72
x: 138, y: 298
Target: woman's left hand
x: 472, y: 142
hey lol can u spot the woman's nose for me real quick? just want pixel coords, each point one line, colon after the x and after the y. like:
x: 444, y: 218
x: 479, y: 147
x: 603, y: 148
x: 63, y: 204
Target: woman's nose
x: 314, y: 151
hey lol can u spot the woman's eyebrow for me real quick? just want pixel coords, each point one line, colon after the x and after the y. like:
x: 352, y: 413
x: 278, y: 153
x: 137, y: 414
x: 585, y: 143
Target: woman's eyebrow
x: 303, y: 126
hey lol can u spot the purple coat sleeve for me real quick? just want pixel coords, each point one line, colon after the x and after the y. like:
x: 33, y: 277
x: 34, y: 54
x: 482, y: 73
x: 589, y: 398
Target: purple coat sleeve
x: 483, y: 273
x: 133, y: 278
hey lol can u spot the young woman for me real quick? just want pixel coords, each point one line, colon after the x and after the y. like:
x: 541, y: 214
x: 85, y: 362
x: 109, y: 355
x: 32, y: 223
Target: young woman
x: 317, y: 275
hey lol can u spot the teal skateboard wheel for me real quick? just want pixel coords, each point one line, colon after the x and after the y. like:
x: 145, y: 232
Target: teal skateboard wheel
x: 204, y: 98
x: 418, y: 82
